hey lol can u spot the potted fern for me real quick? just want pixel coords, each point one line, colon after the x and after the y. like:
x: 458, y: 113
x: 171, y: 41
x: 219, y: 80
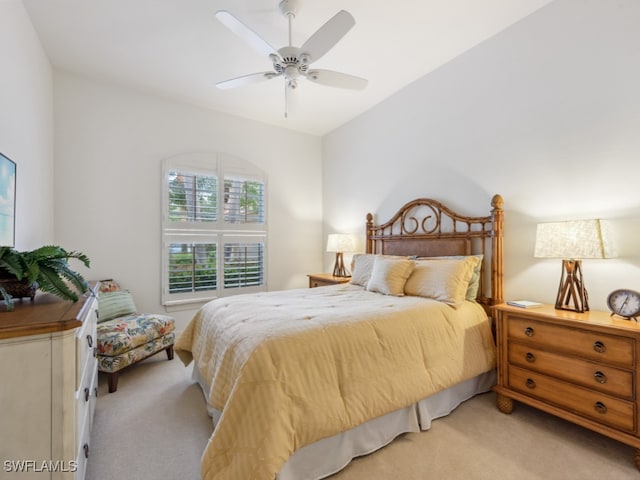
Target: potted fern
x: 45, y: 268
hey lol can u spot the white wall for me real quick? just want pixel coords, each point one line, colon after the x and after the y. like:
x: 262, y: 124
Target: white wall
x: 26, y: 124
x: 110, y: 143
x: 546, y: 113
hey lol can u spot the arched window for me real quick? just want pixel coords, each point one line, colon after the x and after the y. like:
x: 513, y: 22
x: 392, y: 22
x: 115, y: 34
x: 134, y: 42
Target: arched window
x: 214, y: 228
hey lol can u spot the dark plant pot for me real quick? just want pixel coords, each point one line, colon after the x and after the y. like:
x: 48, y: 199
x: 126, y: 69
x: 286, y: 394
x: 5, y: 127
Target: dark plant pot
x: 19, y: 288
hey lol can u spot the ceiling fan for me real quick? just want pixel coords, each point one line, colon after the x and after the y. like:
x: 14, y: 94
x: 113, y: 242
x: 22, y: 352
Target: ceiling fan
x: 292, y: 62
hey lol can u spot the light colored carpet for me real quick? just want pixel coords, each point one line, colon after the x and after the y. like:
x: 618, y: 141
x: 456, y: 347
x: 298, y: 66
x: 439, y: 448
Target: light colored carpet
x: 155, y: 427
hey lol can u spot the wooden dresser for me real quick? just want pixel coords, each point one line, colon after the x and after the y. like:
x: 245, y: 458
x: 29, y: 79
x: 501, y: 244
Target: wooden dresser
x: 48, y: 378
x: 579, y: 366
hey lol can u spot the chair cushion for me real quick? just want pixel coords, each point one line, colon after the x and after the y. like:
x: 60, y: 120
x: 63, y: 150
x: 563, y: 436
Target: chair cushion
x: 126, y: 333
x: 113, y: 364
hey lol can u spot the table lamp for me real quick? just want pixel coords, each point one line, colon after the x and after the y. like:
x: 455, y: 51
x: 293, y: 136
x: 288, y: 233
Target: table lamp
x: 339, y: 243
x: 573, y: 241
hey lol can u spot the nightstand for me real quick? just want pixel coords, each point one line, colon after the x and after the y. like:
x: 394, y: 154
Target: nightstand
x: 324, y: 279
x: 581, y: 367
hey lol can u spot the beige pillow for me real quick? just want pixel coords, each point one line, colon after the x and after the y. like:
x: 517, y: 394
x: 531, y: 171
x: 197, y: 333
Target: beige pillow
x: 362, y: 265
x: 443, y: 280
x: 474, y: 283
x: 389, y: 275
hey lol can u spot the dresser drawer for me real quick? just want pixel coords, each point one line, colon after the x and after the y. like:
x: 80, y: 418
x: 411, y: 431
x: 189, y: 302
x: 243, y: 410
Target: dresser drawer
x: 86, y: 341
x: 82, y: 453
x: 86, y: 396
x: 600, y: 347
x: 597, y: 406
x: 598, y: 376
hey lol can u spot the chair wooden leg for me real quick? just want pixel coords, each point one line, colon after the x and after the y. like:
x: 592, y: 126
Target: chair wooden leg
x: 169, y: 350
x: 112, y: 377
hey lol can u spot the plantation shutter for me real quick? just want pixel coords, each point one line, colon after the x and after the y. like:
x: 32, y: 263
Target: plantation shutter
x: 192, y: 197
x: 243, y: 200
x: 243, y: 264
x: 192, y: 267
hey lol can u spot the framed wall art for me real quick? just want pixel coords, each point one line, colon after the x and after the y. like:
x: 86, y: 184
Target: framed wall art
x: 7, y: 201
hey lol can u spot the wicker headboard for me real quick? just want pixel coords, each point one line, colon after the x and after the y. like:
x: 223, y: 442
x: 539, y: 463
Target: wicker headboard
x: 426, y: 228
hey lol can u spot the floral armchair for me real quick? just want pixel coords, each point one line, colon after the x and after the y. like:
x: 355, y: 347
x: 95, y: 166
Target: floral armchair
x: 125, y: 336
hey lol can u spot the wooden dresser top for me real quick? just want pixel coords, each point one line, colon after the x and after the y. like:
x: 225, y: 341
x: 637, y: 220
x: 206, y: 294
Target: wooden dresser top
x: 593, y: 318
x: 46, y: 314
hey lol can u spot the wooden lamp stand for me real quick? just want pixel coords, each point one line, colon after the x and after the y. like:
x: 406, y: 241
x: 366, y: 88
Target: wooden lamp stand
x: 571, y: 293
x: 338, y: 267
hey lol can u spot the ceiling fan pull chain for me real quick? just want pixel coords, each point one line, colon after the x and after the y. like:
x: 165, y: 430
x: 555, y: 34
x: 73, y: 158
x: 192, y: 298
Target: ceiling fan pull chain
x: 286, y: 103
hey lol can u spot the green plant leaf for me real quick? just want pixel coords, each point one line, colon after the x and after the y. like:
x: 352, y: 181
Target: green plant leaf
x: 50, y: 281
x: 7, y: 299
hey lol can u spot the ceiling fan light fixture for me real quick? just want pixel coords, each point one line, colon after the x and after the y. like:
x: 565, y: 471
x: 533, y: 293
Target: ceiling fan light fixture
x: 305, y: 58
x: 291, y: 72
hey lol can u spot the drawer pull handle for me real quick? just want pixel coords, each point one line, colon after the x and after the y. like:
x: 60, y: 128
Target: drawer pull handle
x: 95, y: 392
x: 530, y: 357
x: 90, y: 340
x: 600, y: 377
x: 529, y: 332
x: 600, y: 407
x: 86, y: 394
x: 97, y: 316
x: 599, y: 347
x: 85, y: 447
x: 530, y: 383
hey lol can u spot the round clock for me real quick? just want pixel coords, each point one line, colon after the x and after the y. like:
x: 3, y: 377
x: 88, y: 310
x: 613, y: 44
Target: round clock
x: 625, y: 303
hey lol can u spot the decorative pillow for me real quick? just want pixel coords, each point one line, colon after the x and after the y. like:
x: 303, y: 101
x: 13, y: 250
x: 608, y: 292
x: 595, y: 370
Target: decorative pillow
x: 109, y: 286
x: 474, y: 283
x: 389, y: 275
x: 115, y: 304
x: 446, y: 280
x: 362, y: 265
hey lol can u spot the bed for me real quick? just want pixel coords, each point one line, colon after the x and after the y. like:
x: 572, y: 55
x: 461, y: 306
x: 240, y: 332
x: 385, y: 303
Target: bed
x: 299, y: 382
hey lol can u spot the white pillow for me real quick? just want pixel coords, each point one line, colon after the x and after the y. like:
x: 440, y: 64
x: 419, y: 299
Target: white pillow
x: 361, y: 266
x: 389, y: 275
x: 443, y: 280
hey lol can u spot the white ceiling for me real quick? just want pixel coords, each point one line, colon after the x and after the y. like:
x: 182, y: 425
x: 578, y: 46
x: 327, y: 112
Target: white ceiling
x: 177, y: 49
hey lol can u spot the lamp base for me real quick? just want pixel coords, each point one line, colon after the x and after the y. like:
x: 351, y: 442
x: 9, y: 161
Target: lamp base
x: 338, y: 267
x: 571, y: 293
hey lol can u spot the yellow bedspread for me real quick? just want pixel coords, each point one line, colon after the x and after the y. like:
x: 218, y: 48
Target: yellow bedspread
x: 290, y: 368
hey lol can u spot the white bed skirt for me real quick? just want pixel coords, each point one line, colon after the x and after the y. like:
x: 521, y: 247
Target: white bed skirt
x: 330, y: 455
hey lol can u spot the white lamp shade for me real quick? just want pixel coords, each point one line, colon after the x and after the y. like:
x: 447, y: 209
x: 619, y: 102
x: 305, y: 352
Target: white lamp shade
x: 576, y: 239
x: 339, y: 242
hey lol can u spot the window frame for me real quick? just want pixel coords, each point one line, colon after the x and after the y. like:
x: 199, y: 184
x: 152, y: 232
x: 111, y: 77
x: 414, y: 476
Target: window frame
x: 216, y: 232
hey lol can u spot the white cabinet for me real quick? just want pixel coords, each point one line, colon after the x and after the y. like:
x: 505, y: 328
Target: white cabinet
x: 48, y: 388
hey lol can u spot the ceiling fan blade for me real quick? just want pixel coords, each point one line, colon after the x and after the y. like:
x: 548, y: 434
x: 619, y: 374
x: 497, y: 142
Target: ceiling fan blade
x: 337, y: 79
x: 327, y: 35
x: 245, y: 80
x: 244, y: 32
